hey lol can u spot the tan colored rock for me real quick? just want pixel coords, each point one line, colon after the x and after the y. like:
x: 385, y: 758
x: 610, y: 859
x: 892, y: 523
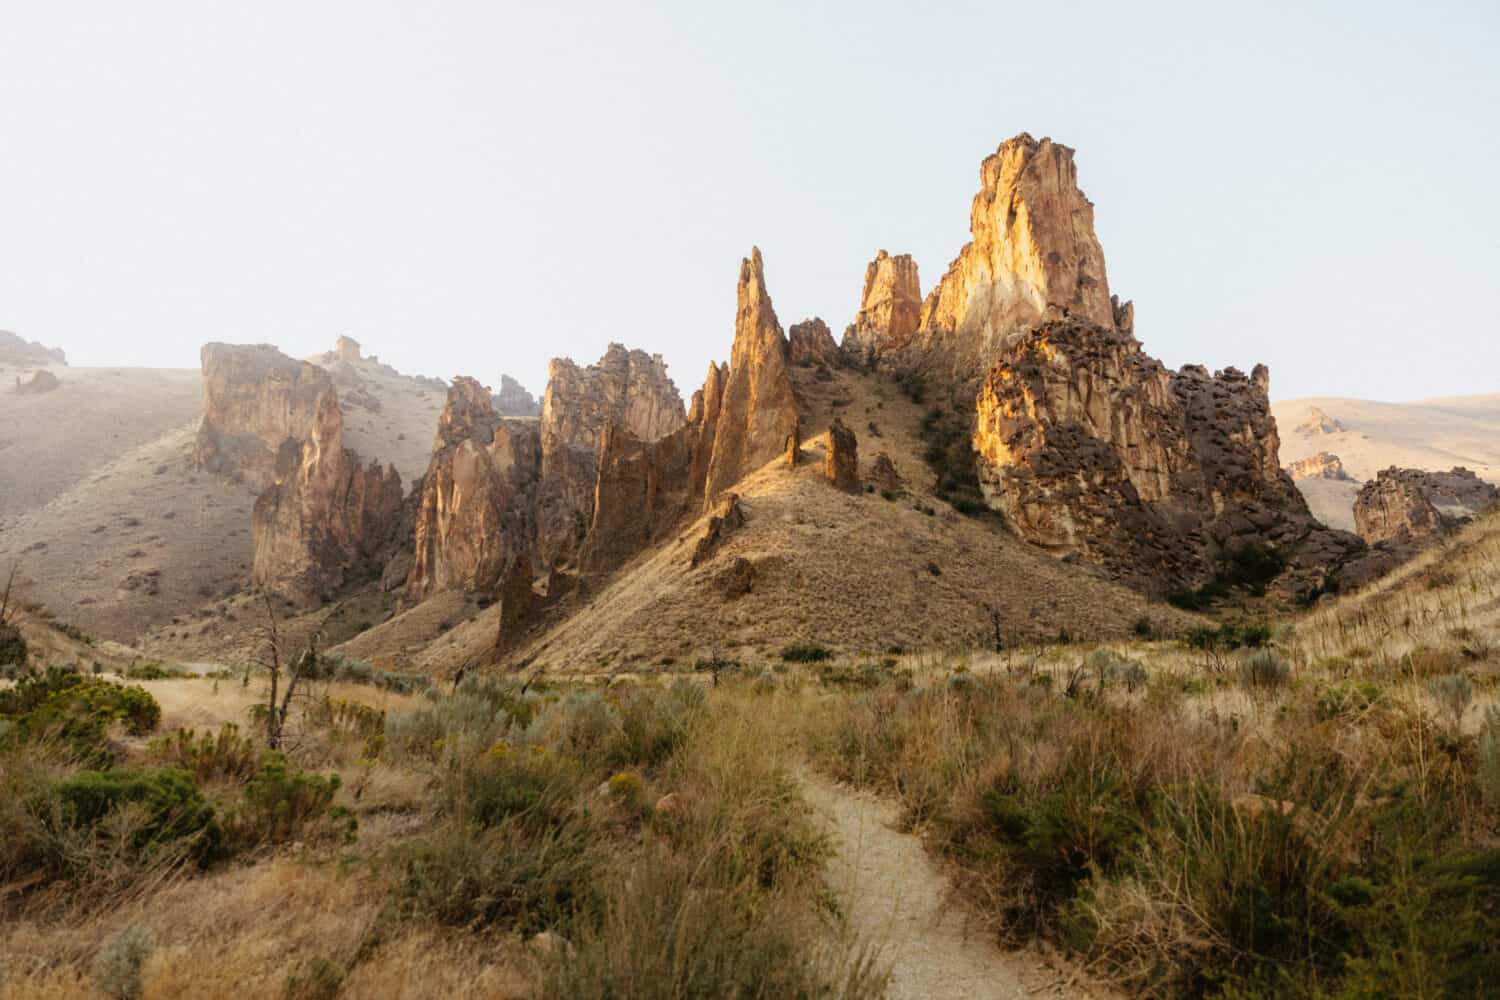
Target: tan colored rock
x: 794, y: 446
x: 255, y: 400
x: 890, y: 307
x: 1089, y: 447
x: 883, y: 475
x: 41, y: 381
x: 326, y: 519
x: 1323, y: 465
x: 708, y: 403
x: 1033, y: 256
x: 627, y: 388
x: 737, y: 579
x: 1410, y: 506
x: 643, y: 490
x: 476, y: 515
x: 759, y: 409
x: 729, y: 518
x: 812, y: 343
x: 841, y: 463
x: 1318, y: 422
x: 517, y: 602
x: 347, y: 349
x: 514, y: 401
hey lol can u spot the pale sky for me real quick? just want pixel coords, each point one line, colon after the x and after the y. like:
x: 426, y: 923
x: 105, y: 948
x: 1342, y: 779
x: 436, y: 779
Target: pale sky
x: 475, y: 187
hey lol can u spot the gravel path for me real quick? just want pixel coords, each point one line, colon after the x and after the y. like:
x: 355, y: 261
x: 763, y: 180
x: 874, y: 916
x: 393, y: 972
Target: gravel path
x: 898, y: 901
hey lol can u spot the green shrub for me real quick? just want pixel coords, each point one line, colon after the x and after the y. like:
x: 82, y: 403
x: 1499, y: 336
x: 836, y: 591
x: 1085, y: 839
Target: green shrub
x: 149, y: 672
x: 1488, y: 774
x: 1347, y: 698
x: 531, y: 784
x: 510, y: 876
x: 806, y: 652
x: 117, y: 966
x: 1453, y: 692
x: 169, y: 806
x: 280, y: 804
x: 224, y: 756
x: 13, y: 651
x: 1264, y: 669
x: 63, y: 706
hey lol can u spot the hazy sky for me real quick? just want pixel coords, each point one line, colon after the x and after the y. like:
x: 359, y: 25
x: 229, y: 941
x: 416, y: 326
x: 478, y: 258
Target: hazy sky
x: 475, y: 187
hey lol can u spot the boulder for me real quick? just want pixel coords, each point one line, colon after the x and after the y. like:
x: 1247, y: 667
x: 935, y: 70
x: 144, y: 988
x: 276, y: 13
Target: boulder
x: 841, y: 463
x: 1323, y: 465
x: 729, y: 518
x: 41, y: 381
x: 883, y: 475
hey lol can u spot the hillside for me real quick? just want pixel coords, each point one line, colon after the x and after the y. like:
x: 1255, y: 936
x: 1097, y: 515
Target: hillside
x: 108, y: 518
x: 857, y: 573
x: 1433, y: 434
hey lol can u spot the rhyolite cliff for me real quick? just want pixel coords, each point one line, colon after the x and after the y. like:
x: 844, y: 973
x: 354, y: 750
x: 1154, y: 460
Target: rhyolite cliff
x: 1411, y: 506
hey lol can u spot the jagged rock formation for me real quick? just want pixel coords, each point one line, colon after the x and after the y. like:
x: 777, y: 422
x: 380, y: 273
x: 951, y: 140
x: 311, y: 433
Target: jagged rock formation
x: 19, y: 353
x: 794, y: 446
x: 890, y: 307
x: 1404, y: 506
x: 708, y: 402
x: 644, y: 488
x: 883, y: 475
x: 1033, y: 256
x: 517, y: 602
x: 514, y: 401
x: 346, y: 349
x: 327, y: 518
x: 627, y: 388
x: 729, y: 518
x: 255, y: 400
x: 41, y: 381
x: 1167, y: 479
x: 1323, y: 465
x: 1318, y: 422
x: 476, y: 515
x: 812, y: 343
x: 759, y: 409
x: 841, y: 464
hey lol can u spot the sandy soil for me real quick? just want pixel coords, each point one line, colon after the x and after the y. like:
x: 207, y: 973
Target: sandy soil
x: 1434, y: 434
x: 898, y: 901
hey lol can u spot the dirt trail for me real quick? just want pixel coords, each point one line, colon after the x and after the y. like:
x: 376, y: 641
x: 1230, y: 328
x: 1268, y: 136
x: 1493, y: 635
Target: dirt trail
x: 898, y: 901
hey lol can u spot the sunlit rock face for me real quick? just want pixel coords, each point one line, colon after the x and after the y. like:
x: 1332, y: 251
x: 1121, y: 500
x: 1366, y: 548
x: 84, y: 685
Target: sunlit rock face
x: 759, y: 408
x: 476, y: 512
x: 327, y: 519
x: 1033, y: 255
x: 627, y: 388
x: 1091, y: 448
x: 1410, y: 506
x: 1323, y: 465
x: 811, y: 343
x: 255, y: 400
x: 890, y: 307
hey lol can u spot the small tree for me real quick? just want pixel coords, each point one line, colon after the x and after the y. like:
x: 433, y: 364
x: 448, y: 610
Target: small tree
x: 287, y: 670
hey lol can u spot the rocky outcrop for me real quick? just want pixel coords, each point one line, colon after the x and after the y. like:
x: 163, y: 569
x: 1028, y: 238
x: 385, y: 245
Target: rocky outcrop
x: 883, y: 474
x: 890, y: 307
x: 1405, y: 506
x: 759, y: 409
x: 1168, y: 480
x: 841, y: 463
x: 728, y: 519
x: 1318, y: 422
x: 1033, y: 256
x: 812, y: 343
x: 644, y: 488
x: 16, y: 352
x: 476, y: 515
x: 255, y: 400
x: 517, y: 602
x: 794, y: 446
x: 629, y: 389
x: 41, y: 381
x: 1323, y: 465
x: 327, y: 519
x: 514, y: 401
x: 346, y: 349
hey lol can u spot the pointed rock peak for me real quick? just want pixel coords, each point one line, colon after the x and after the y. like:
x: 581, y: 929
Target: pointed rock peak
x: 890, y: 306
x: 468, y: 414
x: 757, y: 317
